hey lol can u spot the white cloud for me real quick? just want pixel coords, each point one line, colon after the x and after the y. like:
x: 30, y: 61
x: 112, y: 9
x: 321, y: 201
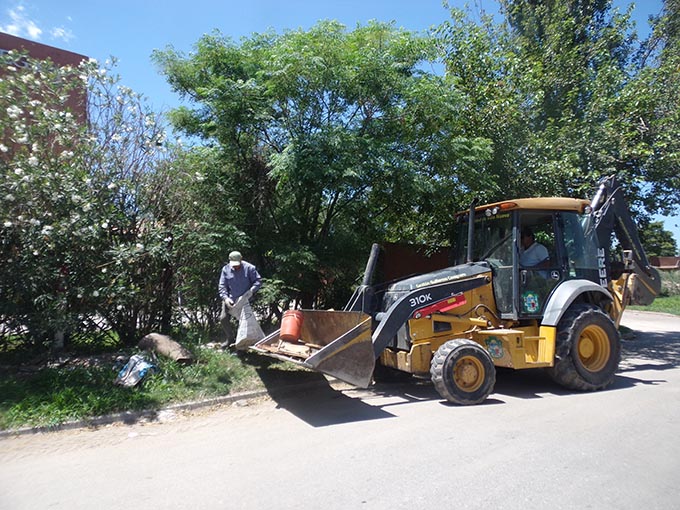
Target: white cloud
x: 17, y: 21
x: 61, y: 34
x: 21, y: 25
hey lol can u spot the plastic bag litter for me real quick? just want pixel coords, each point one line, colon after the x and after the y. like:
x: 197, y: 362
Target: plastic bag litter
x: 136, y: 369
x: 249, y: 330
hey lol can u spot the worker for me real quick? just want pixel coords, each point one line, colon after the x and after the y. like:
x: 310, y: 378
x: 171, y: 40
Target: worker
x: 239, y: 281
x: 532, y: 253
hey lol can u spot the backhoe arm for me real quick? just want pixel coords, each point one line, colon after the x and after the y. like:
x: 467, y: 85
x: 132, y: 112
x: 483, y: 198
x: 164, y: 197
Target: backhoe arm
x: 611, y: 214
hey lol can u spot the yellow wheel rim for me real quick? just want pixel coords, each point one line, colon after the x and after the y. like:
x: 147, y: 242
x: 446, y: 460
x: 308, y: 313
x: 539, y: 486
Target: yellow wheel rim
x: 594, y: 349
x: 468, y: 374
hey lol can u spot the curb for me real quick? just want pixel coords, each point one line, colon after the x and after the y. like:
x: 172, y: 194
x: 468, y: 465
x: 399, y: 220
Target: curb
x: 131, y: 417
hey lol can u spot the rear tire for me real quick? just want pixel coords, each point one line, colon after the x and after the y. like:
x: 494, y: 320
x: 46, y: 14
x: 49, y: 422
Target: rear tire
x: 462, y: 372
x: 587, y: 351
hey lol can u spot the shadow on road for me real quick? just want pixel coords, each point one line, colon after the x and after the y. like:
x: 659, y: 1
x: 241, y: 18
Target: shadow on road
x: 310, y: 397
x: 661, y: 350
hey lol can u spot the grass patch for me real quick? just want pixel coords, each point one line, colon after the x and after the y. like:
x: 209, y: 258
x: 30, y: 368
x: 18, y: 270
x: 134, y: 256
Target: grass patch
x: 83, y: 387
x: 668, y: 304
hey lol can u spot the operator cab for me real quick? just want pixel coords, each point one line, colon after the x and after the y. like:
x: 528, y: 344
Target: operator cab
x: 531, y: 245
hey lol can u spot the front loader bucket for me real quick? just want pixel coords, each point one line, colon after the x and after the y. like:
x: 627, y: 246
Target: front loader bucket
x: 335, y: 343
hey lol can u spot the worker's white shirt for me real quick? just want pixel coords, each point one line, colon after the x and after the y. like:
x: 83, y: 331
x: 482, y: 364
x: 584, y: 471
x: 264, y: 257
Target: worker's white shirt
x: 533, y: 255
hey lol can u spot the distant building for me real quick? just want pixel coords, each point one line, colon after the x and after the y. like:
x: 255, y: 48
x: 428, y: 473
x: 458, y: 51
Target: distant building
x: 665, y: 262
x: 77, y: 102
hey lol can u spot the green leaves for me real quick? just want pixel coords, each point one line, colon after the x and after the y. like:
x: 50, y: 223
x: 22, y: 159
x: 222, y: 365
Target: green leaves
x: 76, y: 227
x: 343, y: 131
x: 657, y: 241
x: 308, y: 146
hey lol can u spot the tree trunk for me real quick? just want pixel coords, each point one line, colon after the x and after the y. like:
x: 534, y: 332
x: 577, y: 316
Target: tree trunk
x: 165, y: 346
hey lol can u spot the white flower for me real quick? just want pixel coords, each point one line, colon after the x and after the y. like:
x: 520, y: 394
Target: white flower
x: 13, y: 111
x: 7, y: 224
x: 103, y: 270
x: 3, y: 147
x: 105, y: 225
x: 95, y: 293
x: 112, y: 185
x: 33, y: 161
x: 47, y: 230
x: 9, y: 197
x: 36, y: 252
x: 139, y: 246
x: 18, y: 171
x: 34, y: 222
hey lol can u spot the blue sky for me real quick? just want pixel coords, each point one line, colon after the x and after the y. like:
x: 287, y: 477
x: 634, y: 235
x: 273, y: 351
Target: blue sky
x: 130, y: 30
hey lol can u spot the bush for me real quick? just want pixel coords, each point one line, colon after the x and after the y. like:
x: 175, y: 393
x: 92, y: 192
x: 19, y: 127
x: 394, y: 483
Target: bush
x: 79, y: 251
x: 670, y: 283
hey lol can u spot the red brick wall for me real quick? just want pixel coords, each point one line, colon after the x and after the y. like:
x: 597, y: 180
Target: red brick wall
x: 399, y: 260
x: 77, y: 101
x: 665, y: 262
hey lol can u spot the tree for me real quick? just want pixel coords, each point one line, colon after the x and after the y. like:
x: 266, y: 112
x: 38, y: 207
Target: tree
x: 332, y: 140
x: 481, y: 66
x: 657, y: 241
x: 654, y: 110
x: 575, y: 57
x: 562, y: 94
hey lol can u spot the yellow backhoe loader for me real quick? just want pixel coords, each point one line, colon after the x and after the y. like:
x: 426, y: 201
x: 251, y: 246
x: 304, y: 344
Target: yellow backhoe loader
x: 500, y: 303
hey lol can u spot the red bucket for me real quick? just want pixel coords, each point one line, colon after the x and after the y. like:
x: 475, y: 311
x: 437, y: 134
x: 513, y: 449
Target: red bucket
x: 291, y: 325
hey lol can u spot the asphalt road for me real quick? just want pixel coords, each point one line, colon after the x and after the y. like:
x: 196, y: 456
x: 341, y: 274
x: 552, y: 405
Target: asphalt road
x: 531, y: 445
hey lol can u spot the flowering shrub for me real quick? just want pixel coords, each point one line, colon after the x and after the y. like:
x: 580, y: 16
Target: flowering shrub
x: 79, y: 249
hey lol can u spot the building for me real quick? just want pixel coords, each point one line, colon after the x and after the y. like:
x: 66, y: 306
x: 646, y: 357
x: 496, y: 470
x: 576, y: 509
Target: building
x: 665, y: 262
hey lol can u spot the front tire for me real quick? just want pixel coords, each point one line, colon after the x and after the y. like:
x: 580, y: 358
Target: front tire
x: 462, y: 372
x: 588, y: 349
